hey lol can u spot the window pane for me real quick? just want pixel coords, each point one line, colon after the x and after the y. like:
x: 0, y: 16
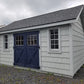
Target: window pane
x: 21, y: 42
x: 56, y: 41
x: 6, y: 36
x: 19, y: 38
x: 56, y: 31
x: 52, y: 46
x: 16, y: 42
x: 16, y: 37
x: 56, y: 36
x: 22, y: 38
x: 31, y: 38
x: 28, y: 40
x: 52, y: 36
x: 52, y: 31
x: 31, y: 42
x: 6, y: 39
x: 35, y: 42
x: 52, y: 42
x: 56, y: 46
x: 28, y: 43
x: 35, y: 37
x: 6, y: 45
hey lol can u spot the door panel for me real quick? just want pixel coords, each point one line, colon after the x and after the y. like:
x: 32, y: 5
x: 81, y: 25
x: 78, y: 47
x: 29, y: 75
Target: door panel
x: 33, y: 49
x: 19, y: 49
x: 26, y: 49
x: 19, y: 56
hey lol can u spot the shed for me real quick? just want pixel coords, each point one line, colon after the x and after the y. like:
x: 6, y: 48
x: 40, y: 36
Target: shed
x: 52, y: 42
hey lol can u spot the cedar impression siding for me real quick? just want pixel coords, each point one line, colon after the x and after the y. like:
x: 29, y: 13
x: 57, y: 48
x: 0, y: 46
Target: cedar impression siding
x: 7, y: 55
x: 58, y: 62
x: 77, y: 45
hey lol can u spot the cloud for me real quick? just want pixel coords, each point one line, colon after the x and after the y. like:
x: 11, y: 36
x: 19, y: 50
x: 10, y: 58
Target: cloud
x: 75, y: 3
x: 41, y: 6
x: 11, y: 10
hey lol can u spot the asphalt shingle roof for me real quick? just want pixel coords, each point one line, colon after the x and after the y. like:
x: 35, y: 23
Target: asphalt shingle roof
x: 54, y: 17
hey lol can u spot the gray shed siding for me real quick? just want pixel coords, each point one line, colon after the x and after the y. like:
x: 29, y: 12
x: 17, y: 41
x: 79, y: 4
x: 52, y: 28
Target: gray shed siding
x: 58, y: 62
x: 7, y: 55
x: 77, y: 45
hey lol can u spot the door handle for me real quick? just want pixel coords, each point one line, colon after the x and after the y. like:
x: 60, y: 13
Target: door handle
x: 39, y: 47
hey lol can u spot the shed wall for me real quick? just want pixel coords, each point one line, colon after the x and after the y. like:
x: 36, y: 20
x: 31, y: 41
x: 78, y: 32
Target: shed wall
x: 58, y: 62
x: 77, y: 45
x: 7, y: 55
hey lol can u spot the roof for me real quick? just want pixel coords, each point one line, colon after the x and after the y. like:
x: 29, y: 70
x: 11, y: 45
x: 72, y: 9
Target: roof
x: 54, y: 17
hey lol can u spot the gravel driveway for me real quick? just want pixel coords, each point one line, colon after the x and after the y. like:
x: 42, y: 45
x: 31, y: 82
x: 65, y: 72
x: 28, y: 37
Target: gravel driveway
x: 11, y: 75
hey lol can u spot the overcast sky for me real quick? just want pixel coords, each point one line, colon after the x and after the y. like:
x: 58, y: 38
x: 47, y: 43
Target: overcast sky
x: 12, y: 10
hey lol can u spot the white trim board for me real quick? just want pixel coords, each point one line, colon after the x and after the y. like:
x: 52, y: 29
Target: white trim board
x: 40, y: 27
x: 79, y: 13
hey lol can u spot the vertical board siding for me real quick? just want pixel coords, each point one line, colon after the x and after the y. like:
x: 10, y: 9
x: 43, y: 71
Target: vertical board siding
x: 6, y: 55
x: 77, y: 45
x: 55, y: 62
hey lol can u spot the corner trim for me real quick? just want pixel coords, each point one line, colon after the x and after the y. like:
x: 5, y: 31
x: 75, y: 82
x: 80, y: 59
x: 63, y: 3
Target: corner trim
x: 71, y: 52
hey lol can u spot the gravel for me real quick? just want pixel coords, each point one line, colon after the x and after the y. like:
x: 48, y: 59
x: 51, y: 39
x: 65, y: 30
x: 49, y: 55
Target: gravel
x: 11, y: 75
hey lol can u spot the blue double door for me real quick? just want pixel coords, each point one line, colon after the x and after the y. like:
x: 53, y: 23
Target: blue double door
x: 26, y: 49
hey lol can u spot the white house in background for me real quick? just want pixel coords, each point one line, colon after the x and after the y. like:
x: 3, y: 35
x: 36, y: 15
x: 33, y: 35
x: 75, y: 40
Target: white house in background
x: 2, y: 26
x: 52, y: 42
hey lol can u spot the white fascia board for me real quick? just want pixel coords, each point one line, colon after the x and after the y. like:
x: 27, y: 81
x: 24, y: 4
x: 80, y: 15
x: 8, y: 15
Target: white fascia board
x: 79, y: 13
x: 40, y: 27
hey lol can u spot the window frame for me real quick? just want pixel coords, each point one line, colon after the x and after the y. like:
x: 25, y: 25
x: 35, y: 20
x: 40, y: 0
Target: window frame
x: 4, y: 41
x: 59, y: 40
x: 19, y: 40
x: 32, y: 35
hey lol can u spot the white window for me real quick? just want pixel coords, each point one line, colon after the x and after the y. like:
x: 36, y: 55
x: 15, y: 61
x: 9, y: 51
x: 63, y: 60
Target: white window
x: 6, y: 41
x: 54, y: 39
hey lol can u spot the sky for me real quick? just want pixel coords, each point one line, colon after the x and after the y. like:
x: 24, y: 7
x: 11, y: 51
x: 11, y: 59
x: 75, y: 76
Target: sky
x: 13, y: 10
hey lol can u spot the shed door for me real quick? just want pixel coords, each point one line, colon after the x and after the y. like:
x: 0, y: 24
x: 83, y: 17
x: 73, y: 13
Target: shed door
x: 32, y: 50
x: 26, y: 49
